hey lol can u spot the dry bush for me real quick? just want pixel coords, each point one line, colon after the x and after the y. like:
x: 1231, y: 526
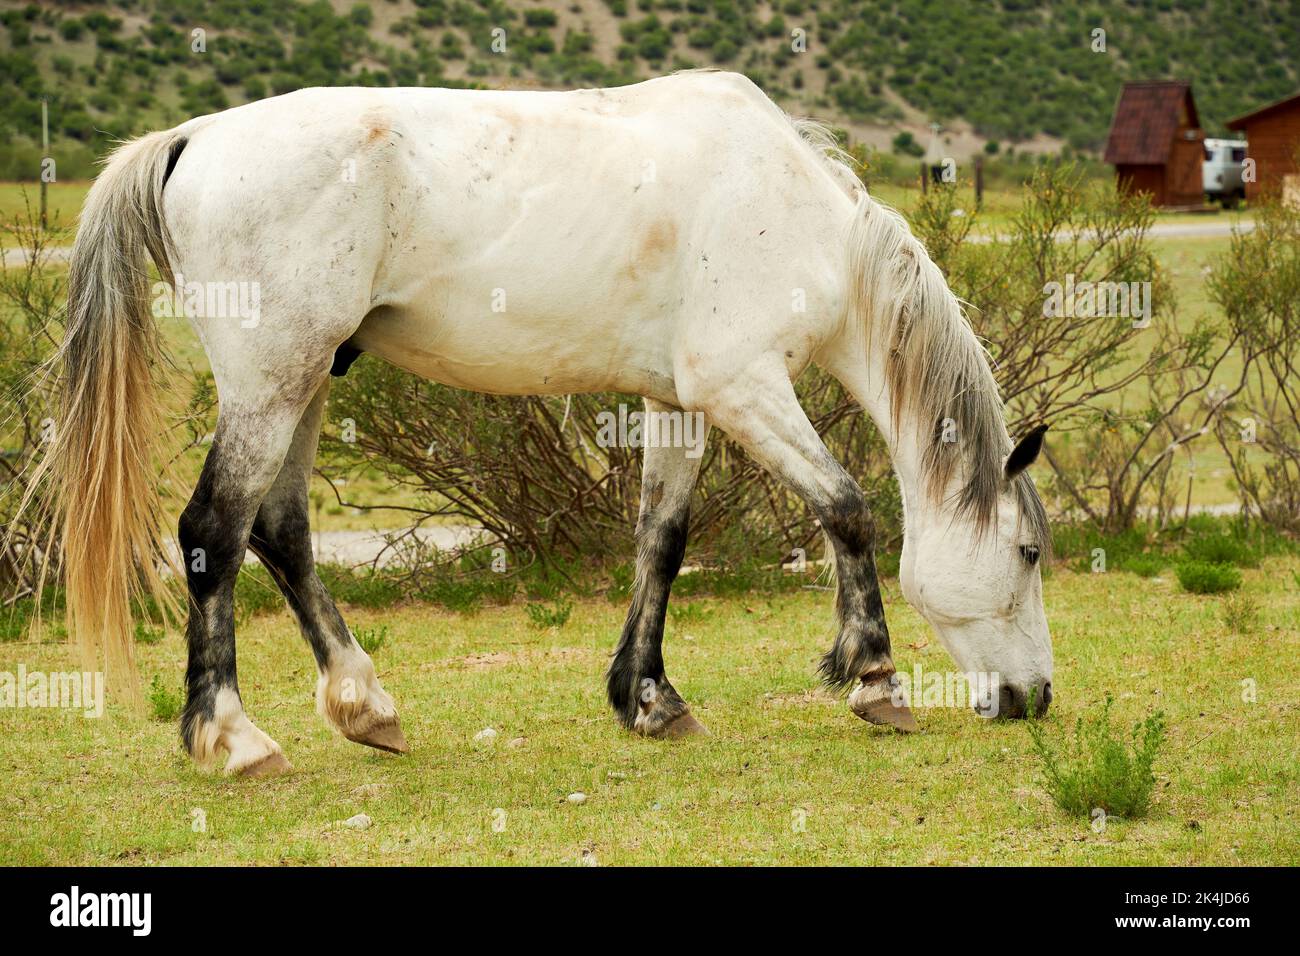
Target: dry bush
x: 533, y: 474
x: 32, y: 295
x: 1124, y: 393
x: 1257, y: 284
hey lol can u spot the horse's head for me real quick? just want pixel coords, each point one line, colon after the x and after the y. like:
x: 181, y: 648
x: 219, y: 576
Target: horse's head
x: 977, y: 580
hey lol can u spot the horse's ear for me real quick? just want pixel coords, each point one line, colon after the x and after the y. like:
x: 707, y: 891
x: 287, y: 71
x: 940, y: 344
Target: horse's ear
x: 1025, y: 452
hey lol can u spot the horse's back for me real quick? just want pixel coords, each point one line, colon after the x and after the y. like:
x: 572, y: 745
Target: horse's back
x: 558, y: 240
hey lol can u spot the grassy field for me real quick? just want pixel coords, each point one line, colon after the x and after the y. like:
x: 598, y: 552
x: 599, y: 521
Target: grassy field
x: 63, y: 202
x: 118, y: 790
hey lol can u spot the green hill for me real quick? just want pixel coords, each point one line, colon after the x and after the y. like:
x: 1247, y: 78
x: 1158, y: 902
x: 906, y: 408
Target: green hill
x: 1013, y: 71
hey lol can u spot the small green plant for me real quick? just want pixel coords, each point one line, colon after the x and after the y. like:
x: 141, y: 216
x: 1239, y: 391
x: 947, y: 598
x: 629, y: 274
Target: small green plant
x: 369, y: 588
x: 13, y: 627
x: 1203, y: 577
x: 1098, y: 770
x: 1221, y: 549
x: 146, y: 634
x: 1240, y: 613
x: 372, y: 638
x: 255, y: 593
x: 557, y: 615
x: 166, y: 704
x: 622, y: 577
x: 1144, y: 565
x: 687, y: 613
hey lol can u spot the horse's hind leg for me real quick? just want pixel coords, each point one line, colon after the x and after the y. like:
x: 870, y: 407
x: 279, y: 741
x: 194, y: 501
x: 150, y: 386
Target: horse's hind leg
x: 761, y: 412
x: 348, y: 694
x: 638, y: 689
x: 254, y: 433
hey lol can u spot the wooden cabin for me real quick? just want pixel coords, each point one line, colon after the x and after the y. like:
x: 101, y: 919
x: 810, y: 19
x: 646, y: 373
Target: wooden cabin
x: 1155, y: 143
x: 1273, y: 137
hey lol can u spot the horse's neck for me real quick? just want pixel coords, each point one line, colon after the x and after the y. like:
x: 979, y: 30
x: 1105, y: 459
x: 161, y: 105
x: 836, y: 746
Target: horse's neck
x: 864, y: 379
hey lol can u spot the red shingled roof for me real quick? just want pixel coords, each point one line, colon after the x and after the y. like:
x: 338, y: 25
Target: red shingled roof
x: 1146, y: 119
x: 1239, y: 122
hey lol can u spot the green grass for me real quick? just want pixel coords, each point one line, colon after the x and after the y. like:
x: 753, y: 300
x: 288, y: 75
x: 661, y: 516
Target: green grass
x: 118, y: 790
x: 63, y: 202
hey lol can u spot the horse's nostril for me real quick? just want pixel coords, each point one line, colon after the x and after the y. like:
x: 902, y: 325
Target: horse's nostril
x: 1047, y: 693
x: 1011, y: 701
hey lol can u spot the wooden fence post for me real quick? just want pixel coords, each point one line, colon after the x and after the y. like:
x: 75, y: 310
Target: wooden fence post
x: 45, y: 155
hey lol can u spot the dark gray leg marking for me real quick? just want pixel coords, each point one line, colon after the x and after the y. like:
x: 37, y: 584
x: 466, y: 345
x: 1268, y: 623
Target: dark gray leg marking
x: 636, y: 681
x: 247, y: 454
x: 349, y: 694
x: 861, y: 647
x: 638, y: 689
x: 768, y: 420
x: 212, y: 545
x: 281, y: 538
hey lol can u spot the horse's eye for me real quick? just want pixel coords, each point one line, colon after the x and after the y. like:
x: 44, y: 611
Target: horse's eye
x: 1029, y: 553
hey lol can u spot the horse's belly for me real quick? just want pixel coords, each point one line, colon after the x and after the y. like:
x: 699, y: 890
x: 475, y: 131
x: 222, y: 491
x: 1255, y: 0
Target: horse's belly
x: 519, y: 354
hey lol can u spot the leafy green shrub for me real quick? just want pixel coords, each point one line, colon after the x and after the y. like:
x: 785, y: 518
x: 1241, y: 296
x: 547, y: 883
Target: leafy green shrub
x: 1097, y: 770
x: 540, y: 18
x: 1144, y: 565
x: 621, y: 579
x: 1203, y: 577
x: 1256, y: 284
x: 1221, y: 549
x: 542, y: 617
x: 371, y: 639
x: 906, y: 144
x: 13, y: 627
x: 165, y: 703
x: 467, y: 592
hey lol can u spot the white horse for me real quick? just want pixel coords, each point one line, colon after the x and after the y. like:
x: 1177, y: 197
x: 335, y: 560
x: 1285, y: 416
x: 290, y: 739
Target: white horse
x: 680, y: 239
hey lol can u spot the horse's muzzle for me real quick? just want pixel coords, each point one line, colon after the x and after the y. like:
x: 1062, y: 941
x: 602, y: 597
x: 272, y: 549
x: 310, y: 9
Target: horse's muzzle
x: 1014, y: 700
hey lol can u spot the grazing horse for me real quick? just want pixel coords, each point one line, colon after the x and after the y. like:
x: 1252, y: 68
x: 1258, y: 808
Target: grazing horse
x: 681, y: 239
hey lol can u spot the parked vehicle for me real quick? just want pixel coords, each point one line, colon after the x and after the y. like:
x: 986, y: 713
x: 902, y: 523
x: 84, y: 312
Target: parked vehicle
x: 1221, y: 170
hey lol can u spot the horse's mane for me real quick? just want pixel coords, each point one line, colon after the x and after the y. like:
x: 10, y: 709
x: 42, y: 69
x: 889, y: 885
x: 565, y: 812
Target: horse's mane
x: 935, y: 367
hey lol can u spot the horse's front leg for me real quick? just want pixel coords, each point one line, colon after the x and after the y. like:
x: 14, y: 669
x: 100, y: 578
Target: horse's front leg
x: 762, y: 413
x: 639, y: 691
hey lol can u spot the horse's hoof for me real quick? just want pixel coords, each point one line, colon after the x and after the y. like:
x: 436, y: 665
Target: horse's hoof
x: 876, y: 704
x: 683, y: 725
x: 387, y: 736
x: 271, y: 765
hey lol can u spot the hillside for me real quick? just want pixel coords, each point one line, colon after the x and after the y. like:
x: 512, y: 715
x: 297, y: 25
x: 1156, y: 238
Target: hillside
x: 1014, y: 71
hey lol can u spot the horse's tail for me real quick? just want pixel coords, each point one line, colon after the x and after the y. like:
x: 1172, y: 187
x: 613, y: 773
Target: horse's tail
x: 101, y: 464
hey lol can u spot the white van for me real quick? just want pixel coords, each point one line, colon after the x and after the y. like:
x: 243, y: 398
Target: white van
x: 1221, y: 170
